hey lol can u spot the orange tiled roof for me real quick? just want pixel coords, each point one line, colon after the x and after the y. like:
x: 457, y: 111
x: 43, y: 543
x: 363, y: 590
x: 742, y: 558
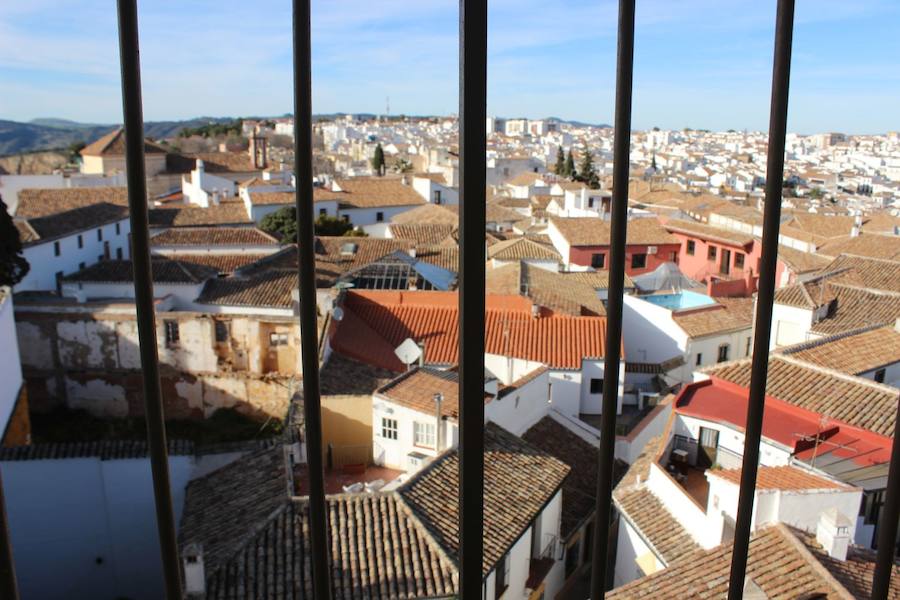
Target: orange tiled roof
x: 592, y: 231
x: 113, y: 144
x: 377, y: 321
x: 781, y: 478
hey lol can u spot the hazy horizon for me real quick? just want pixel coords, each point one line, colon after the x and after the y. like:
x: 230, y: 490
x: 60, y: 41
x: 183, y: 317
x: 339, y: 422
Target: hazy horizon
x: 701, y: 64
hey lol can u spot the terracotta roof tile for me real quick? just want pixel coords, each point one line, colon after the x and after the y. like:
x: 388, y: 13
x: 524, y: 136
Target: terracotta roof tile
x: 872, y: 245
x: 377, y: 321
x: 777, y: 564
x: 523, y: 248
x: 859, y: 402
x: 852, y: 353
x: 428, y: 214
x: 598, y: 280
x: 518, y: 481
x: 213, y: 162
x: 545, y: 288
x: 655, y: 523
x: 227, y: 213
x: 213, y: 236
x: 580, y: 487
x: 708, y: 232
x: 164, y: 271
x: 424, y: 233
x: 416, y: 388
x: 856, y: 572
x: 378, y: 551
x: 69, y: 222
x: 875, y: 273
x: 799, y: 261
x: 730, y: 314
x: 113, y: 144
x: 372, y: 192
x: 270, y: 289
x: 46, y: 202
x: 591, y: 231
x: 223, y: 508
x: 781, y: 478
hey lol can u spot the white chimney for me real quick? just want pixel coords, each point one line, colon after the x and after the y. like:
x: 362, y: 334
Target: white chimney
x: 897, y: 325
x: 194, y: 572
x: 854, y: 231
x: 833, y: 532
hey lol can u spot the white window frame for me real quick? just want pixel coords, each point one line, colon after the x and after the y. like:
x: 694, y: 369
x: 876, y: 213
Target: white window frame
x: 424, y: 434
x: 390, y: 429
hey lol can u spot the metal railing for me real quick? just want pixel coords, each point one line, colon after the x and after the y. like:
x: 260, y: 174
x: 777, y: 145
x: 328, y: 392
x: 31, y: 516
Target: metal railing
x: 612, y: 350
x: 473, y: 91
x: 132, y: 110
x: 472, y: 222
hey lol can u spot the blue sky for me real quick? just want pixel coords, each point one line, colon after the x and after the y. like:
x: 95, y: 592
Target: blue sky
x: 698, y: 63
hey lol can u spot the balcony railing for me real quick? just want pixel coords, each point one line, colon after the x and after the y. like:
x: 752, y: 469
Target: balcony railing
x: 473, y: 92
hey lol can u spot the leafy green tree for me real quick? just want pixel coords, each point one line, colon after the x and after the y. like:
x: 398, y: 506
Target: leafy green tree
x: 283, y: 224
x: 378, y: 160
x: 560, y: 161
x: 13, y: 266
x: 401, y: 165
x: 74, y: 150
x: 326, y: 225
x: 569, y: 170
x: 586, y: 172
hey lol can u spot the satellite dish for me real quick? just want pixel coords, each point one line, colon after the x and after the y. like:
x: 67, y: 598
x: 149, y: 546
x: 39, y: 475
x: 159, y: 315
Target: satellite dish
x: 408, y: 351
x: 338, y: 313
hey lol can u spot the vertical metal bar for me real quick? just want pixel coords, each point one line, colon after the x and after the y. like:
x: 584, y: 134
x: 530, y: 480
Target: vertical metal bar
x: 309, y: 331
x: 618, y: 232
x: 887, y: 523
x: 472, y: 177
x: 143, y: 292
x: 8, y: 585
x: 781, y: 76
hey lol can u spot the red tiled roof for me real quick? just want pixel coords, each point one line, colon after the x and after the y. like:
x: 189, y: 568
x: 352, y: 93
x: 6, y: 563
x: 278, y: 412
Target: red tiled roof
x: 376, y: 322
x: 721, y: 401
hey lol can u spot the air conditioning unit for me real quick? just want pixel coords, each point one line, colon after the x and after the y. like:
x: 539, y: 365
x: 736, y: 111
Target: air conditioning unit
x: 415, y: 461
x: 652, y: 249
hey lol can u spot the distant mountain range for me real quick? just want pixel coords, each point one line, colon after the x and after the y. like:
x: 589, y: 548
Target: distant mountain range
x: 58, y: 134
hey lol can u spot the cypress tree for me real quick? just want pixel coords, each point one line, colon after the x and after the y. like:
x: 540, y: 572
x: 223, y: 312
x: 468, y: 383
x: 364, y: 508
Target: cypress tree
x: 378, y: 160
x: 560, y: 161
x: 586, y: 171
x: 569, y: 171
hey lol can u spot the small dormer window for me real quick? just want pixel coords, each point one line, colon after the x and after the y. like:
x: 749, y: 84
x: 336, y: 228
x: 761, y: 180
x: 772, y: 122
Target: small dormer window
x: 349, y: 249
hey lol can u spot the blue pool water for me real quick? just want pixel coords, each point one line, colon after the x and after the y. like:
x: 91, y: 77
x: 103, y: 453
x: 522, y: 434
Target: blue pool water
x: 680, y: 301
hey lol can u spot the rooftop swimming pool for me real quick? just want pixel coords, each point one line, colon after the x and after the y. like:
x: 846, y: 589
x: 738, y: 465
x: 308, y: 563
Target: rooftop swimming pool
x: 681, y: 300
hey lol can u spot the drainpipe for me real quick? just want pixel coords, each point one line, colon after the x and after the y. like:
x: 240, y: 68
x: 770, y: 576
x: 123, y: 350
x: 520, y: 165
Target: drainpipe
x: 438, y: 431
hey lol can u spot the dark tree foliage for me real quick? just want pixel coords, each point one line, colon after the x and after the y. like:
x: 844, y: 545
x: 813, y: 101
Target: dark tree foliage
x: 214, y: 129
x: 560, y: 162
x: 13, y: 266
x: 569, y: 171
x: 586, y: 172
x: 283, y: 224
x: 378, y: 160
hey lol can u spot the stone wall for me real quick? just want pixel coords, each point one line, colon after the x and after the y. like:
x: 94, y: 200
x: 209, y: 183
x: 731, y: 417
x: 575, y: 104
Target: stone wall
x: 92, y: 362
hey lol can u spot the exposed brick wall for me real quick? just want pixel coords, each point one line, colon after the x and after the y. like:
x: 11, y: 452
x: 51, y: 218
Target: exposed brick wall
x: 18, y: 429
